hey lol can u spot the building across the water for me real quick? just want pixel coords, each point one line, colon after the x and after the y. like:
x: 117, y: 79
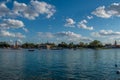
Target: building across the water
x: 115, y: 45
x: 16, y: 45
x: 45, y: 46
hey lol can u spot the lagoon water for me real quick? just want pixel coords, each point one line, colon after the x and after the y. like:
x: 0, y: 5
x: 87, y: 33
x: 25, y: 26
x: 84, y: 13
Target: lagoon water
x: 83, y: 64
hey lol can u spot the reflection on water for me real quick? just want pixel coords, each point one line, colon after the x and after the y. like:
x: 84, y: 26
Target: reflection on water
x: 83, y: 64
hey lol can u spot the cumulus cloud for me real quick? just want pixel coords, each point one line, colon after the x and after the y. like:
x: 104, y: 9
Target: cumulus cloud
x: 71, y: 36
x: 45, y: 35
x: 68, y: 34
x: 34, y: 9
x: 96, y: 34
x: 43, y: 8
x: 25, y: 29
x: 108, y: 32
x: 21, y: 9
x: 107, y: 12
x: 83, y: 24
x: 19, y: 41
x: 105, y: 33
x: 4, y: 10
x: 70, y: 22
x: 19, y: 35
x: 101, y: 12
x: 4, y: 33
x: 64, y: 36
x: 11, y: 23
x: 90, y: 17
x: 31, y: 11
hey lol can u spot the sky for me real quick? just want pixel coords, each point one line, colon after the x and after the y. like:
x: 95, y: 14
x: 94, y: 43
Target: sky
x: 60, y: 20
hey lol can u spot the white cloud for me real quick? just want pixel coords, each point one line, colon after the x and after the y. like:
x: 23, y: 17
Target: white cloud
x: 4, y: 11
x: 11, y: 23
x: 45, y: 35
x: 34, y: 9
x: 31, y: 11
x: 4, y: 33
x: 24, y: 10
x: 108, y: 32
x: 63, y: 36
x: 82, y: 24
x: 43, y: 8
x: 101, y: 12
x: 70, y: 22
x: 71, y: 36
x: 90, y: 17
x: 105, y: 33
x: 96, y: 34
x: 19, y: 35
x: 107, y: 36
x: 68, y: 34
x: 19, y: 41
x: 107, y: 12
x: 25, y: 29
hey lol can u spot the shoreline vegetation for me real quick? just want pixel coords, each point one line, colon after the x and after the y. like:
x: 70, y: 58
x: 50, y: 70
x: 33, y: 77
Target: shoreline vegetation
x: 92, y: 45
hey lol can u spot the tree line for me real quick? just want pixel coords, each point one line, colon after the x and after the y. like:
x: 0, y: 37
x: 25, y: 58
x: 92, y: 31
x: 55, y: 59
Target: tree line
x: 92, y: 44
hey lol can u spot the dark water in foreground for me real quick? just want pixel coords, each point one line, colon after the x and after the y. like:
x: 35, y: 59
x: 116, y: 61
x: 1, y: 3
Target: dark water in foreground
x: 84, y: 64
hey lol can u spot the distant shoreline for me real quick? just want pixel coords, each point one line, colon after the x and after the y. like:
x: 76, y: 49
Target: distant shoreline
x: 63, y: 45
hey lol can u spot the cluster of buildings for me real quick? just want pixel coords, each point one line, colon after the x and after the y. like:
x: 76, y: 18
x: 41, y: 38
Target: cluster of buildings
x: 45, y: 46
x: 51, y: 46
x: 115, y: 45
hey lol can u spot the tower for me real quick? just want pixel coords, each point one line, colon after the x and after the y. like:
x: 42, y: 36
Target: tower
x: 115, y: 44
x: 16, y: 44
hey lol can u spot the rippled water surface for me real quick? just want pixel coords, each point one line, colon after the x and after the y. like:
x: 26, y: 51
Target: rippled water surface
x: 83, y: 64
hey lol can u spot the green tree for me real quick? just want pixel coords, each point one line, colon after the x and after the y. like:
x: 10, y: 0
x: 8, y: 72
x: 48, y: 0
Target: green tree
x: 95, y: 44
x: 4, y: 45
x: 81, y: 44
x: 63, y: 45
x: 71, y: 45
x: 28, y: 45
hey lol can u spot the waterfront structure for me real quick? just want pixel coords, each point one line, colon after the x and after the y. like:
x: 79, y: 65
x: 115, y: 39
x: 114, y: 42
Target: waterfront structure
x: 45, y: 46
x: 16, y: 45
x: 115, y: 44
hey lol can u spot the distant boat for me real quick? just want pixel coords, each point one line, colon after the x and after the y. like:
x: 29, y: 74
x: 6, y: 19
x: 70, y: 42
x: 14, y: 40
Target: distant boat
x: 31, y: 50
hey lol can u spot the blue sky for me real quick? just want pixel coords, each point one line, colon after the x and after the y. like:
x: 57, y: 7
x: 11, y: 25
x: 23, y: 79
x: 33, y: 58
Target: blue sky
x: 60, y: 20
